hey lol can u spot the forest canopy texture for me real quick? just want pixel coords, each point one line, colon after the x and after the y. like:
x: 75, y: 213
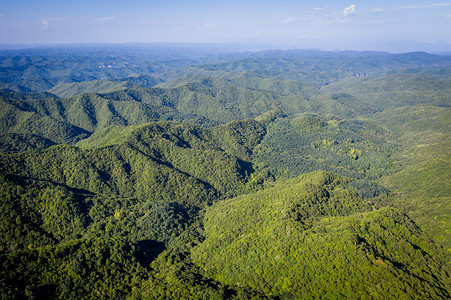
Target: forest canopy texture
x: 163, y: 172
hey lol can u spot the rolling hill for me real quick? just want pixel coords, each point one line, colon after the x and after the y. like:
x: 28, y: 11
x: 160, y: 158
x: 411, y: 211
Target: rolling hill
x: 195, y: 172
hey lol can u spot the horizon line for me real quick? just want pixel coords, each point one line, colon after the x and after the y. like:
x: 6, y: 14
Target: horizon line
x: 238, y: 47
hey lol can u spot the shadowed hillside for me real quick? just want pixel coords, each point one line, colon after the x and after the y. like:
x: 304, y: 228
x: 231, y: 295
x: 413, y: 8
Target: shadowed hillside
x: 194, y: 172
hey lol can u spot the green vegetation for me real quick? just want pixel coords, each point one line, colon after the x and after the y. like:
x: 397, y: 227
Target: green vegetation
x: 423, y: 178
x: 13, y: 143
x: 66, y: 90
x: 178, y: 158
x: 395, y: 90
x: 166, y: 172
x: 306, y: 143
x: 311, y: 237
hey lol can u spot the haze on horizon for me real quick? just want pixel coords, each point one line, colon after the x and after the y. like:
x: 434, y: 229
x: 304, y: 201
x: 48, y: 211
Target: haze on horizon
x: 394, y: 26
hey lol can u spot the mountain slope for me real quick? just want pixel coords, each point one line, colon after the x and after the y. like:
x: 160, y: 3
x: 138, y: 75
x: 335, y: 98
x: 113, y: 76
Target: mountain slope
x: 66, y: 90
x: 79, y: 222
x: 305, y: 143
x: 157, y: 172
x: 67, y: 120
x: 395, y: 90
x: 18, y: 117
x: 248, y: 79
x: 422, y: 164
x: 311, y: 237
x: 161, y: 161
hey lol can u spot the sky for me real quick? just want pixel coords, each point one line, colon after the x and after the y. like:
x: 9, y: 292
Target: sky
x: 394, y: 26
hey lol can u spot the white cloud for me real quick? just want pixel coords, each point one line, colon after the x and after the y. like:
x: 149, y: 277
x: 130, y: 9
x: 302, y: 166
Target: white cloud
x: 424, y: 6
x: 45, y: 24
x: 378, y: 9
x: 408, y: 7
x: 105, y: 19
x: 289, y: 20
x: 177, y: 27
x: 427, y: 41
x: 256, y: 34
x: 350, y: 10
x: 438, y: 5
x: 206, y: 25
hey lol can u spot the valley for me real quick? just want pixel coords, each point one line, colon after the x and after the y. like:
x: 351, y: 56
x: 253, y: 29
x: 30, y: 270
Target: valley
x: 205, y: 174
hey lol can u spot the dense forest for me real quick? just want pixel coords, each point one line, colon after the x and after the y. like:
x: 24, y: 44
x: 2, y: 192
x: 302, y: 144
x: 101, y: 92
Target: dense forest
x: 195, y: 172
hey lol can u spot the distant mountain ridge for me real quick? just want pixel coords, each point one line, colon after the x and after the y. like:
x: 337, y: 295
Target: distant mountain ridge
x: 194, y: 172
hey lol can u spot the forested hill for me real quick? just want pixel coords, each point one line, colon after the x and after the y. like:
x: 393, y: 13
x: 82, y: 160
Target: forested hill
x: 42, y: 69
x: 201, y: 172
x: 314, y: 230
x: 66, y: 90
x: 216, y: 101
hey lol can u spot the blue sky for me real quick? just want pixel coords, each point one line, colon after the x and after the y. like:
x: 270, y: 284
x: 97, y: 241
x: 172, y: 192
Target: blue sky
x: 396, y: 26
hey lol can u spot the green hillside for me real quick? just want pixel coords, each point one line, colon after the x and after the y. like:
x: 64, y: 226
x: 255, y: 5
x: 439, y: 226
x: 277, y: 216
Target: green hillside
x: 311, y: 237
x: 161, y: 161
x: 305, y: 143
x: 201, y: 172
x: 68, y: 120
x: 423, y: 173
x: 102, y: 203
x: 13, y: 143
x: 18, y: 117
x: 246, y: 79
x: 395, y: 90
x: 66, y: 90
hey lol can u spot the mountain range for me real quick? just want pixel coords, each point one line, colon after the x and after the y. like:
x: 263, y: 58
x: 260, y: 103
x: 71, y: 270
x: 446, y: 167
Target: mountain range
x: 181, y: 172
